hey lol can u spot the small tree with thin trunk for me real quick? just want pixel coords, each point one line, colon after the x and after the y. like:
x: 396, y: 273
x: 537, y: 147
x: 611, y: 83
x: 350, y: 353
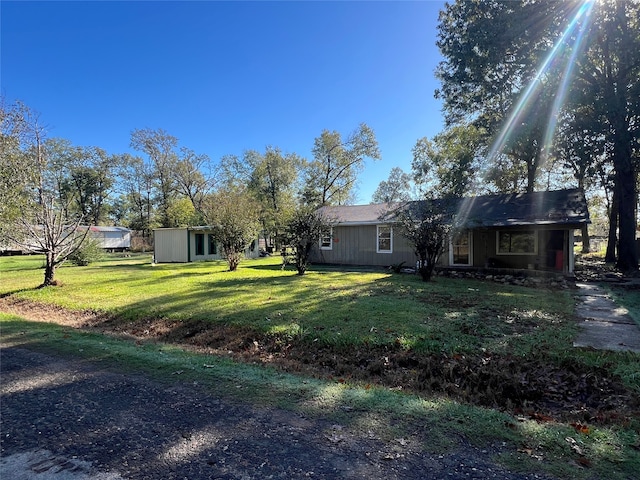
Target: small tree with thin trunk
x: 233, y: 216
x: 302, y: 233
x: 33, y: 213
x: 427, y: 224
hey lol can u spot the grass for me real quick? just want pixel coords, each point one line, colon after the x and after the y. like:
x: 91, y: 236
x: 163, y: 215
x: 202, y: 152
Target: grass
x: 341, y: 309
x: 333, y: 307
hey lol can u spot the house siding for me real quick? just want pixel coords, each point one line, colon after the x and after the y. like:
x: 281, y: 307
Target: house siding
x: 357, y: 245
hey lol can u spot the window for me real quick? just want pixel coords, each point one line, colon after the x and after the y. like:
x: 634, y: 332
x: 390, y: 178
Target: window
x: 460, y: 249
x: 517, y: 243
x: 213, y: 248
x: 385, y: 239
x: 199, y: 243
x: 326, y: 240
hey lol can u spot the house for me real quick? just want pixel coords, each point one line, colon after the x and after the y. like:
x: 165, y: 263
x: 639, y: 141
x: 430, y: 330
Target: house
x: 190, y: 244
x: 111, y: 238
x: 513, y: 231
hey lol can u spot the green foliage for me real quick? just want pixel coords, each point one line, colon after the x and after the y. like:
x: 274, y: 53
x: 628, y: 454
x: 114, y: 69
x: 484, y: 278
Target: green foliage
x: 397, y: 188
x: 88, y: 253
x: 233, y: 215
x: 449, y: 164
x: 427, y: 225
x: 302, y: 233
x: 331, y: 176
x: 497, y: 73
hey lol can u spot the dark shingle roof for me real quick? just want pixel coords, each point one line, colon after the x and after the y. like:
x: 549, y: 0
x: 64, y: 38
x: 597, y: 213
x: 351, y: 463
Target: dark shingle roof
x: 559, y: 207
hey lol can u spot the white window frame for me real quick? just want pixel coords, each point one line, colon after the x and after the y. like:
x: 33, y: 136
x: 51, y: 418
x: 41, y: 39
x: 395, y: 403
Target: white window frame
x: 378, y: 250
x: 529, y: 232
x: 322, y: 237
x: 470, y: 243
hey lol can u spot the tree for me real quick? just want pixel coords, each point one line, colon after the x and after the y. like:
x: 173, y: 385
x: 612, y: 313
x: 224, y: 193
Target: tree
x: 332, y: 174
x: 195, y: 178
x: 233, y: 217
x: 397, y: 188
x: 508, y: 64
x: 160, y: 148
x: 272, y: 178
x: 492, y: 52
x: 611, y: 72
x: 37, y: 218
x: 427, y: 224
x: 450, y: 163
x: 137, y: 183
x: 274, y: 182
x: 89, y: 181
x: 303, y: 232
x: 580, y: 147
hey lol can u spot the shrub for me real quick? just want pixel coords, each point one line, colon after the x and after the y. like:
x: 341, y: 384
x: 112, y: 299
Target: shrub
x: 88, y: 253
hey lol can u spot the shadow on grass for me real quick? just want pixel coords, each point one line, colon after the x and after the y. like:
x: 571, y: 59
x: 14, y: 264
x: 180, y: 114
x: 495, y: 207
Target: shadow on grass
x: 116, y: 414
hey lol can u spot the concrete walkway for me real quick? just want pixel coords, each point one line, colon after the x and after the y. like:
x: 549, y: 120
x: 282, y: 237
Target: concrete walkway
x: 605, y: 325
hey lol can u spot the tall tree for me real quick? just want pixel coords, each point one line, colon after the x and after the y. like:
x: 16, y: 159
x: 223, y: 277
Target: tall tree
x: 195, y: 177
x: 332, y: 174
x: 397, y: 188
x: 611, y: 71
x: 448, y: 164
x: 89, y: 181
x: 274, y: 181
x: 138, y: 186
x: 492, y: 52
x: 507, y: 64
x: 160, y: 147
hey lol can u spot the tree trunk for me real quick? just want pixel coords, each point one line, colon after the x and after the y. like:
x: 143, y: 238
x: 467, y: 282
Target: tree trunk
x: 612, y: 240
x: 586, y: 241
x: 49, y: 270
x: 627, y: 253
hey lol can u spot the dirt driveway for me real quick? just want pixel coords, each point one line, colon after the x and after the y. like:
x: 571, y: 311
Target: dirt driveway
x: 68, y: 419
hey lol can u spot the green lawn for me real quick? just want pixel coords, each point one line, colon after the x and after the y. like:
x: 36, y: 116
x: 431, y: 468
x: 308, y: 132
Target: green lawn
x: 340, y: 309
x: 334, y: 307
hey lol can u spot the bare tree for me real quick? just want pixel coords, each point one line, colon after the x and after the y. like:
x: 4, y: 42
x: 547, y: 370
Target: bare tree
x: 41, y: 222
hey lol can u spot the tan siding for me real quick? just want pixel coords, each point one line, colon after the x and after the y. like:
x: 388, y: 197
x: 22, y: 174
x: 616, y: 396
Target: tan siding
x: 170, y: 245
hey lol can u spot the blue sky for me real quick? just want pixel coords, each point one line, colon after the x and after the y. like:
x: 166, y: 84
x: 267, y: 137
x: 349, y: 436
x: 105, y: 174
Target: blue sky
x: 225, y: 77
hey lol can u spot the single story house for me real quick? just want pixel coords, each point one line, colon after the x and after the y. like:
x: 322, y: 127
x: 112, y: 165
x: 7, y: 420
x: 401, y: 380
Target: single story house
x: 111, y: 238
x: 513, y: 231
x: 108, y: 238
x: 190, y: 244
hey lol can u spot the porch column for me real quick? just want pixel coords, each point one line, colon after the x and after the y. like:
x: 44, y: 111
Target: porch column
x: 572, y: 259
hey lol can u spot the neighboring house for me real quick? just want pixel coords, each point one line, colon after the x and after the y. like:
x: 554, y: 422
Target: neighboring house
x: 108, y: 238
x: 111, y: 238
x: 190, y: 244
x: 515, y: 231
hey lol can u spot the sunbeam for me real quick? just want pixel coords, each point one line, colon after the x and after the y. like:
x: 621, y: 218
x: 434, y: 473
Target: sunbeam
x: 527, y: 98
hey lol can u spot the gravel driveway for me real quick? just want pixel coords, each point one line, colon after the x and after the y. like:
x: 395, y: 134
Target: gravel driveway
x: 69, y: 419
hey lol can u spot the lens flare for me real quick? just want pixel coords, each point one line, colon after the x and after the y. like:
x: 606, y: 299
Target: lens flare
x: 526, y: 99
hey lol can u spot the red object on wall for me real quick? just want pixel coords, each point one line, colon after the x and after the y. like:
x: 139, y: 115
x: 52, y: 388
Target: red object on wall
x: 559, y: 260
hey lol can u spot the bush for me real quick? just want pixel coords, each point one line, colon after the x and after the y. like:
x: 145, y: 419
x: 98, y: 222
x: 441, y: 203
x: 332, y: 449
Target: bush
x: 88, y: 252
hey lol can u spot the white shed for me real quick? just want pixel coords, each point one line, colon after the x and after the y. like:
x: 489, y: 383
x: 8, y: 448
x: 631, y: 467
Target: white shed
x: 192, y: 244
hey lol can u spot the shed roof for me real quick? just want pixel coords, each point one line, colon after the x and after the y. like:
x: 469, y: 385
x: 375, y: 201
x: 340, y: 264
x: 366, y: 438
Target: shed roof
x: 102, y: 228
x: 560, y: 207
